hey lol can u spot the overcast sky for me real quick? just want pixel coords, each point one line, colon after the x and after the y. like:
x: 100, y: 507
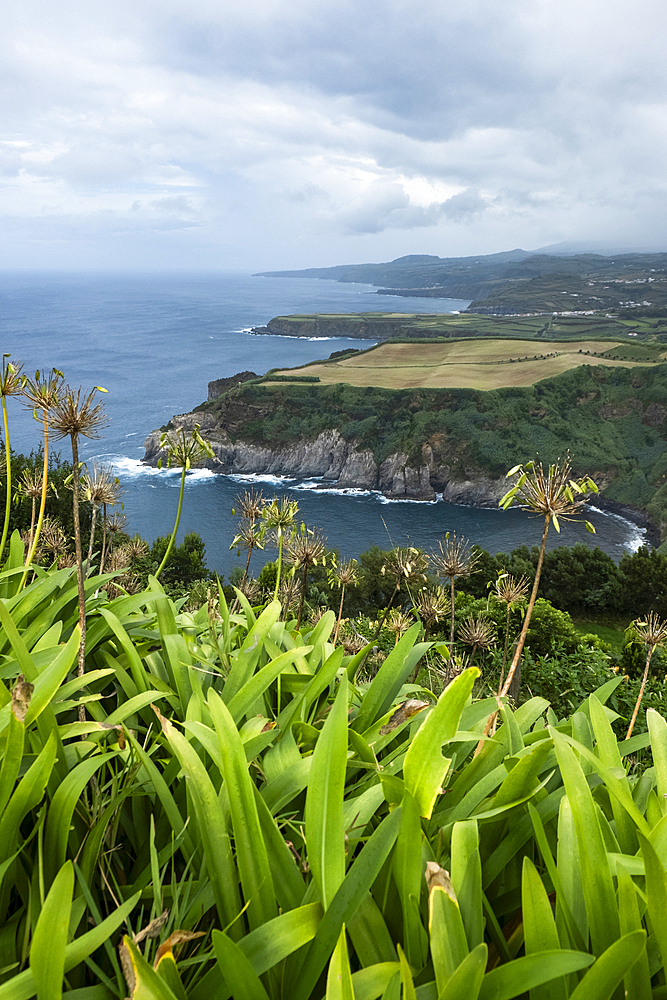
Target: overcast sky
x: 260, y: 134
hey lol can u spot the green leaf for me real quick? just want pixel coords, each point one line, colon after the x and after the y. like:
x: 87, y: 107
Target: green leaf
x: 407, y: 981
x: 49, y: 940
x: 602, y: 979
x: 449, y: 946
x: 598, y: 889
x: 212, y: 829
x: 637, y: 980
x: 390, y: 677
x: 539, y: 928
x: 513, y: 979
x: 359, y: 878
x: 242, y: 980
x: 424, y: 768
x: 147, y: 984
x: 339, y: 977
x: 251, y: 854
x: 325, y: 834
x: 370, y: 983
x: 657, y: 728
x: 63, y: 804
x: 23, y: 987
x: 467, y: 879
x: 656, y: 892
x: 407, y: 869
x: 466, y: 982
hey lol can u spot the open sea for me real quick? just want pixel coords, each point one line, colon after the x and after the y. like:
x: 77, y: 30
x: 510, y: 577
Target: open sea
x: 156, y: 340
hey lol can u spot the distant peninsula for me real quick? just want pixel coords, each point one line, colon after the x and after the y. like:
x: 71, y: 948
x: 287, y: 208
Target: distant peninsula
x: 517, y: 281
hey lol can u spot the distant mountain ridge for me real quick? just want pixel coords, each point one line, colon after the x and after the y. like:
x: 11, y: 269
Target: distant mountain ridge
x: 514, y: 281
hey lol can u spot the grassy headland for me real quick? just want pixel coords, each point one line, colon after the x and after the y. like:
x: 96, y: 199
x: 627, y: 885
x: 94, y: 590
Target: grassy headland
x: 465, y: 406
x: 460, y: 364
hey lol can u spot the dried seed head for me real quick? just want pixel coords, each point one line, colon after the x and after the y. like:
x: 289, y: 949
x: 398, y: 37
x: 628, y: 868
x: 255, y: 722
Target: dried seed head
x: 345, y: 574
x: 454, y: 557
x: 477, y: 631
x: 305, y: 550
x: 651, y: 630
x: 509, y: 589
x: 101, y: 486
x: 75, y: 414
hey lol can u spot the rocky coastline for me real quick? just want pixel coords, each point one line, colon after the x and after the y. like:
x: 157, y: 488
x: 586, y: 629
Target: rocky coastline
x: 339, y: 464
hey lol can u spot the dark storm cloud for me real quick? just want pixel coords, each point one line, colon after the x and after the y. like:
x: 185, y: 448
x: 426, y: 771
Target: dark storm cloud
x: 330, y: 130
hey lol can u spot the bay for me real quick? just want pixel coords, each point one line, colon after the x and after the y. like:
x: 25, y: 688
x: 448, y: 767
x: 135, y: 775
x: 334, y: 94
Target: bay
x: 154, y: 341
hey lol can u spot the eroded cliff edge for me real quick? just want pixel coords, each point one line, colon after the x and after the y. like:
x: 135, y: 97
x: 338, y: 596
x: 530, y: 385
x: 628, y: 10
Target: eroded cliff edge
x: 338, y: 463
x: 417, y: 444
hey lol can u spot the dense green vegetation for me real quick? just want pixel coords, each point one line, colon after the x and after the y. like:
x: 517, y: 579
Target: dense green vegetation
x: 249, y: 813
x: 611, y: 420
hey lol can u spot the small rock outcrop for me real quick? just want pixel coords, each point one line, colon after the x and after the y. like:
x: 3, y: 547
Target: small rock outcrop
x: 220, y: 385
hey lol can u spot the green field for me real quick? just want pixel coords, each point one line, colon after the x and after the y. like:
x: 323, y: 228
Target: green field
x: 471, y: 364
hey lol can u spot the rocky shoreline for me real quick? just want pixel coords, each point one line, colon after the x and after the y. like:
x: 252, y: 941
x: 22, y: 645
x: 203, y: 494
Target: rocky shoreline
x: 338, y: 464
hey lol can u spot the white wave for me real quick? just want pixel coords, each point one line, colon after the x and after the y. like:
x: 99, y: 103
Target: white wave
x: 315, y: 486
x: 133, y: 468
x: 637, y: 534
x: 383, y: 499
x: 256, y: 477
x: 132, y: 434
x: 197, y: 475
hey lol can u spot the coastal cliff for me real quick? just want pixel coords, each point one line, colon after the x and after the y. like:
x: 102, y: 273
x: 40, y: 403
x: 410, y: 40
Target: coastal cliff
x: 421, y: 443
x: 338, y: 463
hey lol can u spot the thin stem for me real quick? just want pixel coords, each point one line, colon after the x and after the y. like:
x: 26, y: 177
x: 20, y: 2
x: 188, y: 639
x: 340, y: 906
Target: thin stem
x: 490, y: 722
x: 173, y: 534
x: 42, y: 503
x: 505, y: 648
x: 247, y: 565
x: 92, y: 537
x: 529, y: 610
x: 453, y: 601
x: 641, y: 693
x: 280, y: 562
x: 379, y: 628
x: 104, y: 537
x: 79, y: 565
x: 32, y: 523
x: 340, y: 615
x: 303, y: 596
x: 8, y: 494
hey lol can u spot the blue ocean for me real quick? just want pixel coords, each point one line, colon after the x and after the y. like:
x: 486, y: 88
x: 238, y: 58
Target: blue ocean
x: 154, y: 341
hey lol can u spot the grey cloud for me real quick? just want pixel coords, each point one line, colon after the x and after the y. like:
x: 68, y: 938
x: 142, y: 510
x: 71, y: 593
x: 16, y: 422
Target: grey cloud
x: 177, y: 205
x: 243, y: 123
x: 389, y: 207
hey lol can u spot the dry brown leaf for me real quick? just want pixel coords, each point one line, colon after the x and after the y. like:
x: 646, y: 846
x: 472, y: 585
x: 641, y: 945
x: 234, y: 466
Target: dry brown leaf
x: 127, y: 966
x: 178, y: 937
x: 404, y: 712
x: 153, y: 929
x: 164, y: 722
x: 438, y: 878
x: 21, y: 695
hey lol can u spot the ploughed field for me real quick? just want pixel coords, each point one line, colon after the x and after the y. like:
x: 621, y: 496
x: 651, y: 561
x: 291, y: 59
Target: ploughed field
x: 467, y: 364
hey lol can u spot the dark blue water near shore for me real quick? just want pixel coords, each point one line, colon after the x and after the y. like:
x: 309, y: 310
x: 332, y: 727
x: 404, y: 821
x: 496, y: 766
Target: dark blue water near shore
x: 155, y: 341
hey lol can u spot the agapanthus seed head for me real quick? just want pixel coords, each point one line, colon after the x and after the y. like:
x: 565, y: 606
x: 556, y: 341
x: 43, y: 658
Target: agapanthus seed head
x: 76, y: 413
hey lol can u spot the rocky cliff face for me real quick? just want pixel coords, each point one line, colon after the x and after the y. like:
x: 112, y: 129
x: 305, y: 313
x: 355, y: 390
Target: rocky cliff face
x: 337, y: 462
